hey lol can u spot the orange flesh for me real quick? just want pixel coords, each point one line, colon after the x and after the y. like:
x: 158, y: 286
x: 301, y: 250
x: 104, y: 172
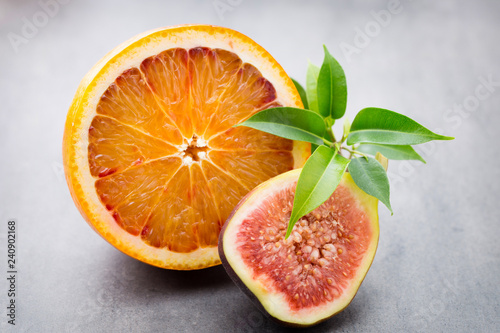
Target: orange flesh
x: 315, y: 264
x: 168, y: 164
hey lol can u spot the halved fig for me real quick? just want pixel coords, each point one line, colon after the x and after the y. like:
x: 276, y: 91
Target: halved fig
x: 316, y: 272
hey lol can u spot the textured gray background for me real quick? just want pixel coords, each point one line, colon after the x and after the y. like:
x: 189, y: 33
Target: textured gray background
x: 438, y: 263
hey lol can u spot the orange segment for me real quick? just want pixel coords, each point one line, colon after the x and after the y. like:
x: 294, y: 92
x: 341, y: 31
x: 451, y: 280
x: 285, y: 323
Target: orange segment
x: 227, y: 188
x: 152, y: 159
x: 114, y: 146
x: 247, y: 94
x: 186, y: 211
x: 207, y: 219
x: 211, y: 74
x: 253, y: 167
x: 170, y: 224
x: 167, y: 75
x: 129, y: 203
x: 132, y: 102
x: 250, y: 139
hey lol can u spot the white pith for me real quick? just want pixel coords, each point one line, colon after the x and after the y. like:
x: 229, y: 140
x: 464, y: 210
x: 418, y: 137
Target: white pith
x: 272, y: 300
x: 199, y: 142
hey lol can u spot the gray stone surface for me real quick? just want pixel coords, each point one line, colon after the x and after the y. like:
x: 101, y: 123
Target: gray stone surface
x: 438, y: 263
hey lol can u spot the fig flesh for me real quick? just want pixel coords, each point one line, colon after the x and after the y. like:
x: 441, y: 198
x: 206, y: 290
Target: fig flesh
x: 316, y: 272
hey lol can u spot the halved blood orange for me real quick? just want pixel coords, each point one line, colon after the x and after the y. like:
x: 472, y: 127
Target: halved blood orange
x: 151, y: 156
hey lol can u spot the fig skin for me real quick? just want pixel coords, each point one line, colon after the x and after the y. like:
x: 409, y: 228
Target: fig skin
x: 367, y: 202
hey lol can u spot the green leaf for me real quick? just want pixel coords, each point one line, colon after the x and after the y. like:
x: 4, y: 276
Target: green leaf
x: 374, y: 125
x: 302, y: 93
x: 311, y: 86
x: 290, y: 123
x: 332, y: 88
x: 317, y: 181
x: 392, y: 152
x: 370, y: 176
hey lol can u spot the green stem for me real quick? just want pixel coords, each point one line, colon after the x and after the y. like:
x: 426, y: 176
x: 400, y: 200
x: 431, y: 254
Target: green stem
x: 338, y: 148
x: 353, y: 152
x: 329, y: 121
x: 328, y: 142
x: 330, y: 132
